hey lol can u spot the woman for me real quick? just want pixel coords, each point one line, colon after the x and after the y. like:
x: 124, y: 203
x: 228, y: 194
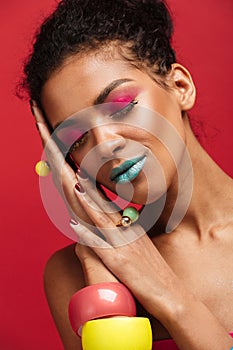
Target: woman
x: 102, y: 68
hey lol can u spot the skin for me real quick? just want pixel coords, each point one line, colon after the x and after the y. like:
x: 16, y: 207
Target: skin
x: 183, y: 279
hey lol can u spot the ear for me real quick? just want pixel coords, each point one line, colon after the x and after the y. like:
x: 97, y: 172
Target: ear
x: 183, y: 86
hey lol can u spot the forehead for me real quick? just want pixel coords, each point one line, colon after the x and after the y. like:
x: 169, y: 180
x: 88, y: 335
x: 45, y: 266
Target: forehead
x: 78, y: 82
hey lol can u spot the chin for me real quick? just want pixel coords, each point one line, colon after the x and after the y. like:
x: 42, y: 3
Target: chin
x: 135, y: 193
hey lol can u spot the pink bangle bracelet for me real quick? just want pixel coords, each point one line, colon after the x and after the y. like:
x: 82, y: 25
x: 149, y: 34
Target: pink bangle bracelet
x: 98, y: 301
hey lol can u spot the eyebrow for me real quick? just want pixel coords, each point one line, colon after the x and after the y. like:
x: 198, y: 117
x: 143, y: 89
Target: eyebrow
x: 101, y: 97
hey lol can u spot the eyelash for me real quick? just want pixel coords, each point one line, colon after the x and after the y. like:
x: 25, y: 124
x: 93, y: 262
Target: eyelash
x: 78, y: 143
x: 122, y: 112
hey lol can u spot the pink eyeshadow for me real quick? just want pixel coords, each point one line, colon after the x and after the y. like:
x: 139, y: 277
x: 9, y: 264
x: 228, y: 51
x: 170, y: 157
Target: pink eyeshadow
x: 123, y: 99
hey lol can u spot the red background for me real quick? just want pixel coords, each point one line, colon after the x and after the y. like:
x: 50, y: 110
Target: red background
x: 203, y: 40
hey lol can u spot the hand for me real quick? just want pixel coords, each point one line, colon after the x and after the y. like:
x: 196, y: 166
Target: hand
x: 127, y: 252
x: 93, y: 268
x: 64, y: 177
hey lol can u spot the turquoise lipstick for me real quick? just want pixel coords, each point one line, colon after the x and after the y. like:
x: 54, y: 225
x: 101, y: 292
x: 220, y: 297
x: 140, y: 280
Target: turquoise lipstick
x: 128, y: 170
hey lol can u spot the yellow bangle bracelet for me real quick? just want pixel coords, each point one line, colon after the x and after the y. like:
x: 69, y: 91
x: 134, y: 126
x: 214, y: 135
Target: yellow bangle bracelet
x: 115, y: 333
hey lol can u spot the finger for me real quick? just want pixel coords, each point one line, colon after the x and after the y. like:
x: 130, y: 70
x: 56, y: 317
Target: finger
x: 116, y: 236
x: 40, y: 120
x: 55, y: 157
x: 50, y: 146
x: 36, y: 111
x: 100, y: 199
x: 86, y: 237
x: 64, y: 177
x: 53, y: 152
x: 113, y: 211
x: 94, y: 269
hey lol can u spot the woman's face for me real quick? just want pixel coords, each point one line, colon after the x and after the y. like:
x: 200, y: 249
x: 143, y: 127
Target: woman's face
x: 126, y: 131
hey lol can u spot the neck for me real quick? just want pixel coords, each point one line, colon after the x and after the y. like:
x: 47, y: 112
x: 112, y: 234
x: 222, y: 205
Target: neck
x: 209, y: 204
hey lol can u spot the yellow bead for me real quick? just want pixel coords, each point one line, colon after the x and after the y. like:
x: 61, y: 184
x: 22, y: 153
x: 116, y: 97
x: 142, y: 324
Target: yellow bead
x: 42, y: 168
x: 117, y: 333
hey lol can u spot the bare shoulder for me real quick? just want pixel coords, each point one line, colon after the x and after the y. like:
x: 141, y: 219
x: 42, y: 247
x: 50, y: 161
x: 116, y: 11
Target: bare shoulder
x: 63, y: 276
x: 64, y: 265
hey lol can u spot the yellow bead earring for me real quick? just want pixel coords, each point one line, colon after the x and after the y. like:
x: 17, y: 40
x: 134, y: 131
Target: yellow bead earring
x: 42, y: 168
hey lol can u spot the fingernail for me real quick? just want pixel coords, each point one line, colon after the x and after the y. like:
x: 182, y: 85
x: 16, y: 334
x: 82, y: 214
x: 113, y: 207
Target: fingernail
x: 79, y: 188
x: 73, y: 222
x: 82, y: 174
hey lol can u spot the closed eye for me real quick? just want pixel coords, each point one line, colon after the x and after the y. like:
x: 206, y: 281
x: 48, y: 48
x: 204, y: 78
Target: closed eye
x: 123, y: 111
x: 80, y: 141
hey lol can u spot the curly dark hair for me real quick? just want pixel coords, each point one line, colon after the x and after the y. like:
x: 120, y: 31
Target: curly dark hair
x: 76, y: 26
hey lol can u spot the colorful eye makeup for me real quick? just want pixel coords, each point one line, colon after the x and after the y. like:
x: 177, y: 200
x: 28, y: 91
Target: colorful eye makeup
x: 123, y: 110
x: 78, y: 142
x: 121, y: 102
x: 117, y: 106
x: 123, y: 99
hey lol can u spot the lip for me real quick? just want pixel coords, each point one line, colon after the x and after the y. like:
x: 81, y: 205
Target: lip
x: 128, y: 170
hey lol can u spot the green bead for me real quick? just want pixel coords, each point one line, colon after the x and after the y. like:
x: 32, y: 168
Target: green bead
x: 132, y: 213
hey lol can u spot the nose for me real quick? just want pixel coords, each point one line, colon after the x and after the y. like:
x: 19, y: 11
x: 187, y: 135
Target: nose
x: 109, y: 143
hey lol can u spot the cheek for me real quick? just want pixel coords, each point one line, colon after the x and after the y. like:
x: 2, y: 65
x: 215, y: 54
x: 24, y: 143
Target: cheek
x: 167, y: 144
x: 166, y: 105
x: 163, y: 155
x: 78, y: 157
x: 167, y: 162
x: 90, y: 162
